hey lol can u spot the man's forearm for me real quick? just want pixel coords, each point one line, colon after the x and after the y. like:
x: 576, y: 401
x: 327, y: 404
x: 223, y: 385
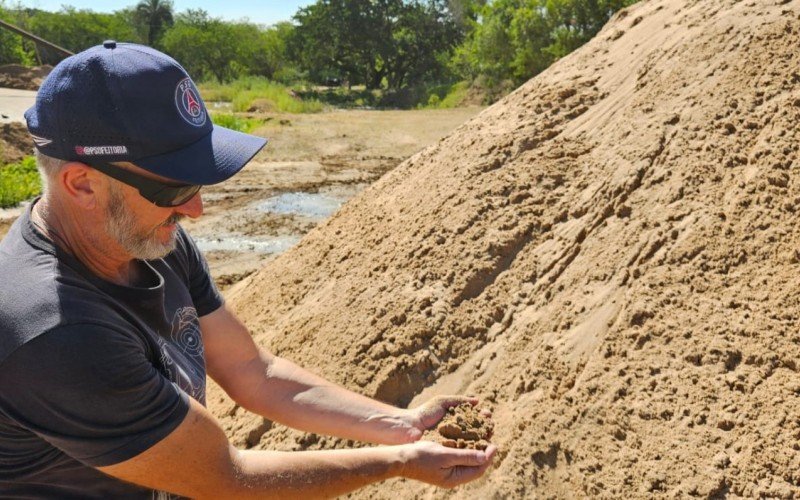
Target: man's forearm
x: 295, y: 397
x: 312, y: 474
x: 197, y: 461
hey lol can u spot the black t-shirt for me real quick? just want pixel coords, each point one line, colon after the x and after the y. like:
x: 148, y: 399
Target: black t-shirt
x: 93, y: 373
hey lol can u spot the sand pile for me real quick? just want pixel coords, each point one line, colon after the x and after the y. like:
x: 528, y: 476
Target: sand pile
x: 609, y: 257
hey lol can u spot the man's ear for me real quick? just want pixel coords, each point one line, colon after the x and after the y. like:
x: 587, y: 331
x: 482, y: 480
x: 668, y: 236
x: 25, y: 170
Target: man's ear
x: 80, y: 183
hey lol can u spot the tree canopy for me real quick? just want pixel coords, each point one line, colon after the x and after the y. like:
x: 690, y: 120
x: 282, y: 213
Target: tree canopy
x: 153, y: 17
x: 389, y: 44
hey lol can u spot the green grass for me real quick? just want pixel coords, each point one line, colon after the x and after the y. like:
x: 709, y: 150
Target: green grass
x: 236, y: 122
x: 447, y: 96
x: 259, y: 94
x: 344, y: 98
x: 19, y: 182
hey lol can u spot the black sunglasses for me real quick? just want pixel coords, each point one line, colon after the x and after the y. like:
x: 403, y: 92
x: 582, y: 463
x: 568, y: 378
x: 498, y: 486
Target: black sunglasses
x: 159, y: 193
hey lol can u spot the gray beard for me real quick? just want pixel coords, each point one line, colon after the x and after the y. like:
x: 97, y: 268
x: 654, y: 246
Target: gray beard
x: 121, y: 226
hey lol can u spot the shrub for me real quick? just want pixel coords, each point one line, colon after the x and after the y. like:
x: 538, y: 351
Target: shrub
x: 19, y: 182
x: 259, y: 94
x: 236, y: 122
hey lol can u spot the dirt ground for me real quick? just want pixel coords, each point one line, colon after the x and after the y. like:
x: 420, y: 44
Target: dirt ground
x: 15, y: 142
x: 331, y: 155
x: 608, y: 257
x: 15, y: 76
x: 320, y: 159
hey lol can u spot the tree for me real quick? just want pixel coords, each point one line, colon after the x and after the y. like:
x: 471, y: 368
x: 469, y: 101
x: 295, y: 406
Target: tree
x: 203, y: 45
x: 376, y: 42
x: 517, y: 39
x: 12, y: 47
x: 154, y: 17
x: 211, y: 48
x: 77, y: 30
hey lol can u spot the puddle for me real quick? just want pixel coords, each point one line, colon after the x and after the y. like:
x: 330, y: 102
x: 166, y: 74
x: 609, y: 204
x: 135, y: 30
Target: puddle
x: 314, y: 206
x: 269, y: 245
x: 317, y: 206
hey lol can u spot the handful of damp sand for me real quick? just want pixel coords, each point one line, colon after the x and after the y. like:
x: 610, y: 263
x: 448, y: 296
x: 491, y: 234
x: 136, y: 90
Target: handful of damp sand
x: 463, y: 426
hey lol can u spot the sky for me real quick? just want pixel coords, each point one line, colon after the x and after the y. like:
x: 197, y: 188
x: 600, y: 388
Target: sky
x: 261, y: 12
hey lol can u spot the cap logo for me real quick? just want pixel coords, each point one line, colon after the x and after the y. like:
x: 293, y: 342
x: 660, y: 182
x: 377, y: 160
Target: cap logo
x: 100, y: 150
x: 188, y: 102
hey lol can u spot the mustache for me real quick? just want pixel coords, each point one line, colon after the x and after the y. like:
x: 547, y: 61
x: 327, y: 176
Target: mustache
x: 173, y: 219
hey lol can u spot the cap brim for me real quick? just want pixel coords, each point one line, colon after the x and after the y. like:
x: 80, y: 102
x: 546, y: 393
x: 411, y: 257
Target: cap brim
x: 212, y: 159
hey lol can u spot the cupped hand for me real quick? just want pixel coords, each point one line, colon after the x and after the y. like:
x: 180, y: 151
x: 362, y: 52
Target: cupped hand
x: 408, y: 425
x: 432, y: 411
x: 435, y: 464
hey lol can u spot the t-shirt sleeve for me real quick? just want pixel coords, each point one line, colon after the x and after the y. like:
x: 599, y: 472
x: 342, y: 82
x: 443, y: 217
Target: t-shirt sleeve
x: 91, y: 392
x: 205, y: 295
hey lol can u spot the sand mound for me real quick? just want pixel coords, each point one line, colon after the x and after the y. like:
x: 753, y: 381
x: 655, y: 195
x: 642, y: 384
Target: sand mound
x: 15, y: 76
x: 608, y: 256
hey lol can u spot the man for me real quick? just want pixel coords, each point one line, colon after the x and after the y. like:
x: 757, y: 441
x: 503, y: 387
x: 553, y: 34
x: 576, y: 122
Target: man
x: 109, y: 320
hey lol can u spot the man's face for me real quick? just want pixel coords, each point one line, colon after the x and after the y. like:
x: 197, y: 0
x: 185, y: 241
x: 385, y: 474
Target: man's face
x: 141, y: 229
x: 143, y: 237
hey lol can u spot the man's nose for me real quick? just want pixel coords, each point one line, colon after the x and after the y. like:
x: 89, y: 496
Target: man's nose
x: 192, y: 208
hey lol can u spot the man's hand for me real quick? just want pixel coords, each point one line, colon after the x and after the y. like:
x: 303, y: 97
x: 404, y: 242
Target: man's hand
x: 409, y: 425
x: 435, y: 464
x: 431, y: 412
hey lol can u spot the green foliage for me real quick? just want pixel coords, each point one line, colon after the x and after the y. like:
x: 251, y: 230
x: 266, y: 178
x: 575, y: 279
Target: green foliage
x: 153, y: 17
x: 420, y: 96
x: 517, y: 39
x: 19, y: 182
x: 77, y: 30
x: 448, y: 96
x: 259, y: 94
x: 12, y: 49
x: 344, y: 97
x: 236, y: 122
x: 386, y: 43
x: 211, y: 48
x: 397, y: 49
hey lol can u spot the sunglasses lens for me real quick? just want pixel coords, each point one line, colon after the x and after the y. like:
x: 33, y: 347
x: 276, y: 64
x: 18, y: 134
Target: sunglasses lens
x: 172, y: 196
x: 157, y: 192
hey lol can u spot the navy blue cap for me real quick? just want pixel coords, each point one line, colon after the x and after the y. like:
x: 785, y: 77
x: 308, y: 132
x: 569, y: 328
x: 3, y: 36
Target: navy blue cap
x: 128, y: 102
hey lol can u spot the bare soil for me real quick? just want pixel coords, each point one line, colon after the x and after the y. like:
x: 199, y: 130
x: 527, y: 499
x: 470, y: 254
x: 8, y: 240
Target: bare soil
x: 608, y: 256
x: 15, y: 142
x: 15, y: 76
x: 339, y: 151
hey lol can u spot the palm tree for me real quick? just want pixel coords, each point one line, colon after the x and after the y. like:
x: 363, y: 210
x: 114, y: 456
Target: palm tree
x: 155, y: 16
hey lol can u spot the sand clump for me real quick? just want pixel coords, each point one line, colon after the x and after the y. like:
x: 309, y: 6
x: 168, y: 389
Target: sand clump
x: 463, y: 426
x: 608, y: 256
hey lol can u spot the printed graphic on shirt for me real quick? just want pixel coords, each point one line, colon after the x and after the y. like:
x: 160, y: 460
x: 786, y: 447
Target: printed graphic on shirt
x: 182, y: 354
x: 186, y: 331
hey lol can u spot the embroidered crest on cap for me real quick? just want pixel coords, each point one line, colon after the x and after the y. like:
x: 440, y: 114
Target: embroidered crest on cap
x: 189, y: 104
